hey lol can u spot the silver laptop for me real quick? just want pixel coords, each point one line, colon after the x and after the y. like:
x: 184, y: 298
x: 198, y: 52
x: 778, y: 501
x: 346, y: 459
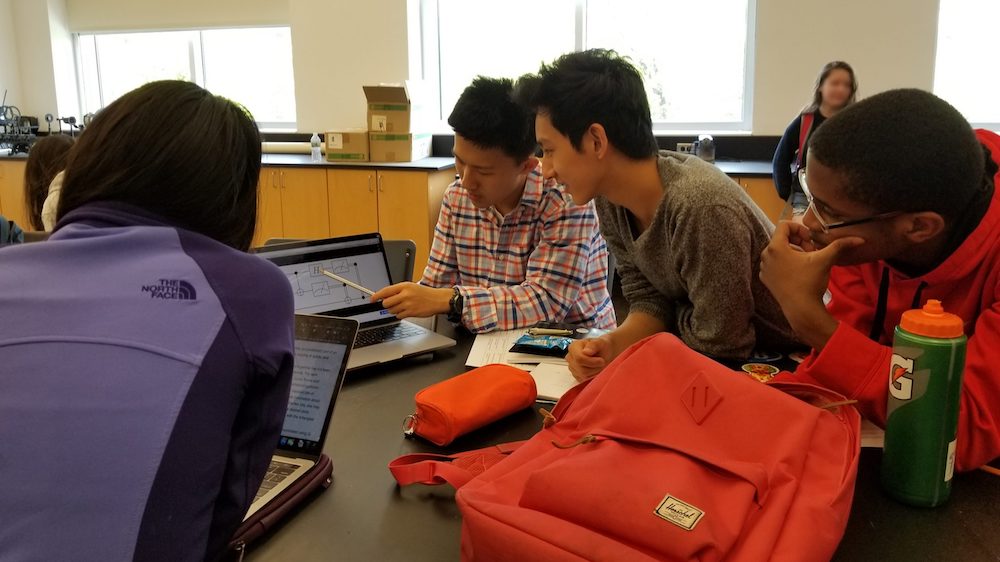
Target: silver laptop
x: 361, y: 259
x: 322, y: 346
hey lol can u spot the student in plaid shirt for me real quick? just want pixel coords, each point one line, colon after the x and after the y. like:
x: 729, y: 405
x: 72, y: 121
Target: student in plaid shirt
x: 510, y: 249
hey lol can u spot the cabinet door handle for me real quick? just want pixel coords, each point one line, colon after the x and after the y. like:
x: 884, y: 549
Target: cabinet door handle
x: 274, y: 183
x: 380, y: 190
x: 281, y: 174
x: 371, y: 188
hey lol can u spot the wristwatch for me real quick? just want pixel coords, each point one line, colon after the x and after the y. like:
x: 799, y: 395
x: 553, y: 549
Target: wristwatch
x: 455, y: 306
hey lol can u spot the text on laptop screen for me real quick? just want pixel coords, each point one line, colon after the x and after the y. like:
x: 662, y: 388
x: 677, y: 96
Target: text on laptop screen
x: 314, y: 379
x: 360, y: 261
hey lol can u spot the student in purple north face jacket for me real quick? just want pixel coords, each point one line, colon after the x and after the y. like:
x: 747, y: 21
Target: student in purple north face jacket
x: 145, y: 358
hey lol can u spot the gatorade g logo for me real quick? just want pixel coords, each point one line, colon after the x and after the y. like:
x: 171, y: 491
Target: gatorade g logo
x: 901, y: 377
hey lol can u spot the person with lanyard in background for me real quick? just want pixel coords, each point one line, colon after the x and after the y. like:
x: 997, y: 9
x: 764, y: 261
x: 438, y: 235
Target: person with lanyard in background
x: 836, y: 88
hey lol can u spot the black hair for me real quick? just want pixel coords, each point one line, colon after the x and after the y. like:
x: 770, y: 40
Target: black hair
x: 176, y: 150
x: 903, y: 150
x: 593, y: 86
x: 487, y: 116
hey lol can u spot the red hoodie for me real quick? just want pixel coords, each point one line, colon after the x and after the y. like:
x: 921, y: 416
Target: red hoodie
x: 968, y: 284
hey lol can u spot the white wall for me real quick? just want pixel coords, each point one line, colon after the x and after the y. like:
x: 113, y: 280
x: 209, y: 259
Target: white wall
x: 34, y: 53
x: 63, y: 59
x: 10, y: 73
x: 111, y: 15
x: 339, y: 45
x: 890, y: 44
x: 44, y: 57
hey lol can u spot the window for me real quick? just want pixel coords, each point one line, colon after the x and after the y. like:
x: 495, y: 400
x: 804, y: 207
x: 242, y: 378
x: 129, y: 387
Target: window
x: 252, y: 66
x: 694, y: 56
x: 965, y: 35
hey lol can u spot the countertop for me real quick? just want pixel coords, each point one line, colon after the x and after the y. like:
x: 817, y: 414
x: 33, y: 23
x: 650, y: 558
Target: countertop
x: 432, y: 164
x: 743, y: 168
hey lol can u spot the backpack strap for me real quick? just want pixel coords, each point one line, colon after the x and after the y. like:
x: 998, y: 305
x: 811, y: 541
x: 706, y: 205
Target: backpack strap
x: 805, y: 125
x: 457, y: 469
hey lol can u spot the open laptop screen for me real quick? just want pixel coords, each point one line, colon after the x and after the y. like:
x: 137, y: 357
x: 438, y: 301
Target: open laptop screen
x: 322, y: 345
x: 358, y: 258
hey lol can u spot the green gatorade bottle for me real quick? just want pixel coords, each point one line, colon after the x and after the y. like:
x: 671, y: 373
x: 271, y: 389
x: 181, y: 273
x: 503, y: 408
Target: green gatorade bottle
x: 925, y: 383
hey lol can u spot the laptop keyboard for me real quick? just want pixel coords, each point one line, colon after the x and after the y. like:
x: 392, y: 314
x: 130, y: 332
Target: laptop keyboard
x: 386, y: 333
x: 277, y: 471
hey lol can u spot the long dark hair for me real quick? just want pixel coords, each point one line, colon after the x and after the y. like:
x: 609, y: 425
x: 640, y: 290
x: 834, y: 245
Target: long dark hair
x: 823, y: 75
x: 46, y: 158
x: 176, y: 150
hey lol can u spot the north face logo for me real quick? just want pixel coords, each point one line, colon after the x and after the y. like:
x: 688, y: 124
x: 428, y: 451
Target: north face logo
x: 171, y: 289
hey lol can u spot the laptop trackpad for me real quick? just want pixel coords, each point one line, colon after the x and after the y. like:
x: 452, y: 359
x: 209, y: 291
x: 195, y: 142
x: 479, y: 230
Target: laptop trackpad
x: 390, y: 353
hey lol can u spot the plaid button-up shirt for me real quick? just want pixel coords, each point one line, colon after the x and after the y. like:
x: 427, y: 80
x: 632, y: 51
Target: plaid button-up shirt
x: 544, y: 261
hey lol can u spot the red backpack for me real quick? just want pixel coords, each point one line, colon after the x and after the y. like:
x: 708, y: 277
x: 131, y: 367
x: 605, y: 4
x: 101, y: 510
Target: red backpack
x: 666, y: 455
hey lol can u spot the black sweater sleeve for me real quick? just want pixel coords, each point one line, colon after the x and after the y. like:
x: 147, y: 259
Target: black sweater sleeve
x: 784, y: 155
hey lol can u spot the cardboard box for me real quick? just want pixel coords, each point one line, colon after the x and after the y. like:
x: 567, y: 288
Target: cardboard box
x: 396, y: 147
x: 397, y: 108
x: 347, y: 145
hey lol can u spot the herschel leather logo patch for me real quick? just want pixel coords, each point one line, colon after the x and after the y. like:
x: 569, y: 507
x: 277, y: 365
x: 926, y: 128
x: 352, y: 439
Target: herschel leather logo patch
x: 678, y: 512
x: 700, y: 397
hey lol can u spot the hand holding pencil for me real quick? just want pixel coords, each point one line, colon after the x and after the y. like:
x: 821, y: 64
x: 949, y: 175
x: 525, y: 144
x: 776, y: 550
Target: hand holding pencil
x: 406, y: 300
x: 347, y: 282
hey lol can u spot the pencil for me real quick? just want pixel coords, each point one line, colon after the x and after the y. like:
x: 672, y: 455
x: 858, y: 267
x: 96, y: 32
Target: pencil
x: 347, y: 282
x: 549, y: 332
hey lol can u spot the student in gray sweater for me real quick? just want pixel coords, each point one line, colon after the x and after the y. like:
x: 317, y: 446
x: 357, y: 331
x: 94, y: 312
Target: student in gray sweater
x: 686, y: 237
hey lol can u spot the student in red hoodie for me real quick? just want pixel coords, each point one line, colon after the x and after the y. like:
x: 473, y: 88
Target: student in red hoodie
x: 902, y: 209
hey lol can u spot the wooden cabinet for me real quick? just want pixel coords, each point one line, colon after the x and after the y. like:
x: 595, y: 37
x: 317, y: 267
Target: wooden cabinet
x: 292, y: 203
x: 313, y: 203
x: 353, y: 198
x: 268, y: 209
x: 399, y: 204
x: 12, y: 204
x: 303, y: 203
x: 763, y: 193
x: 403, y: 208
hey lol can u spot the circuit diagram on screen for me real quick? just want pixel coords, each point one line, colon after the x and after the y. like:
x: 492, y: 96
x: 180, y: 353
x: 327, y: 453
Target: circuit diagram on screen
x: 309, y: 283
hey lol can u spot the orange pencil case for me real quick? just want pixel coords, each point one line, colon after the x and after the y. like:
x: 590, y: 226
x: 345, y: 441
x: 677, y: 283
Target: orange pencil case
x: 454, y: 407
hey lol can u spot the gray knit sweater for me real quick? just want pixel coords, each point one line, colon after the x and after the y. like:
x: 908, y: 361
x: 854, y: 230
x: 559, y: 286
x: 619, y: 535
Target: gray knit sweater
x: 696, y: 267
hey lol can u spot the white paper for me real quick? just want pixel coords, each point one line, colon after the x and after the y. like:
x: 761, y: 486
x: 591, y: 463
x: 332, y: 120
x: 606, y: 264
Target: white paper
x: 493, y: 347
x: 871, y: 435
x: 552, y: 381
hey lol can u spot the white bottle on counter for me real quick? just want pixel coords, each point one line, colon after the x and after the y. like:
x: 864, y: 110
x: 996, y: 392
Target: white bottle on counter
x: 317, y: 153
